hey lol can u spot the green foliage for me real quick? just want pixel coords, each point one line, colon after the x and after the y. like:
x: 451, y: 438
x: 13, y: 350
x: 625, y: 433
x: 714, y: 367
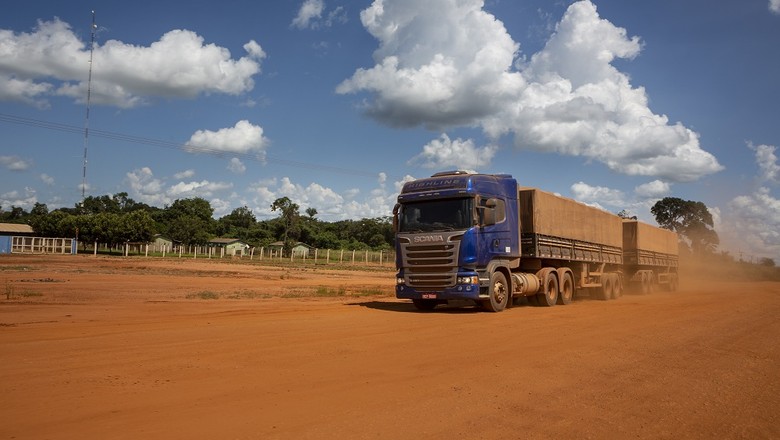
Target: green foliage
x: 290, y: 221
x: 117, y: 219
x: 689, y: 219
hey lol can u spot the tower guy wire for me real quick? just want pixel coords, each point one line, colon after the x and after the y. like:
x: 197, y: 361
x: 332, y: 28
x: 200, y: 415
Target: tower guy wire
x: 86, y: 119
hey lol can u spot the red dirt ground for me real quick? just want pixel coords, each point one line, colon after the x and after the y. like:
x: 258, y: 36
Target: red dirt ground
x: 94, y: 347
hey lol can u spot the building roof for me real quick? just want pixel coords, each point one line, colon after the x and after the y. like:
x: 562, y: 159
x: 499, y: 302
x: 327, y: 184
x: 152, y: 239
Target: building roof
x: 225, y: 240
x: 281, y: 244
x: 15, y: 228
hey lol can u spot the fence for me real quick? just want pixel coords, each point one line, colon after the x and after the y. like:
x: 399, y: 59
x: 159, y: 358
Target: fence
x: 312, y: 256
x: 42, y: 245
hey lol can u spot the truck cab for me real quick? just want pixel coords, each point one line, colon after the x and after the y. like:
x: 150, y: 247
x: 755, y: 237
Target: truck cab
x: 452, y: 231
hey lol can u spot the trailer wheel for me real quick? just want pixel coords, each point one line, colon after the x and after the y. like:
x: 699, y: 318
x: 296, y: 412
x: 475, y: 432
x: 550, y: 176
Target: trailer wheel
x: 425, y: 305
x: 605, y: 292
x: 498, y: 293
x: 674, y: 283
x: 645, y: 284
x: 566, y: 289
x: 549, y: 295
x: 617, y: 286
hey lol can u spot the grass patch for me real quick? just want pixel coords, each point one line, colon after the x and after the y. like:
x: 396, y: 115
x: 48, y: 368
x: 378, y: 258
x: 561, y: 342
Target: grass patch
x: 248, y: 294
x: 29, y: 294
x: 15, y: 268
x: 206, y: 294
x: 323, y: 291
x: 371, y: 292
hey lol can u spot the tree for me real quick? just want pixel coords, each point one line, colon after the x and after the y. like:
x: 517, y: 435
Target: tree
x: 766, y: 261
x: 688, y: 218
x: 311, y: 212
x: 189, y: 221
x: 289, y: 217
x: 137, y: 227
x: 39, y: 209
x: 626, y: 214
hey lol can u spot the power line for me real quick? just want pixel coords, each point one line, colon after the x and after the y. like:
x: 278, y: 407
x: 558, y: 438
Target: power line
x: 262, y: 158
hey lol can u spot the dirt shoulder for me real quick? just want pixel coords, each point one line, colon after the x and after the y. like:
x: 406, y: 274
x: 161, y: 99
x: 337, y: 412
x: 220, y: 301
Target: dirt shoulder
x: 118, y: 348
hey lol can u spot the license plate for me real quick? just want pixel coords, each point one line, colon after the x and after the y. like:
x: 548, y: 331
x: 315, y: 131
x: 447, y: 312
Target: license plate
x: 429, y: 296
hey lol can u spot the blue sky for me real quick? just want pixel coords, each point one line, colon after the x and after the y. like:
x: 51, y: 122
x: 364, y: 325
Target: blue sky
x: 336, y: 103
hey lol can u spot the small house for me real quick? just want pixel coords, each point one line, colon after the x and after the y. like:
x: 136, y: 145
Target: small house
x: 299, y: 249
x: 232, y: 246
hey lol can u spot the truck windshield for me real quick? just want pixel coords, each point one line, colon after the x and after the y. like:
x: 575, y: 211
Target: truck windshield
x: 436, y: 215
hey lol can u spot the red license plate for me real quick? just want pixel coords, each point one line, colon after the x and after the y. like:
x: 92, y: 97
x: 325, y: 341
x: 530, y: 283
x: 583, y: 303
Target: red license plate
x: 429, y: 296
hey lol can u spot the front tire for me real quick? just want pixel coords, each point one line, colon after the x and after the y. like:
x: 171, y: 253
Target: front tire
x: 498, y: 293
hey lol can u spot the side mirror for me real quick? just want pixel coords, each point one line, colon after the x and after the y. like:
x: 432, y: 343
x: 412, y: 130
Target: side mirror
x: 396, y: 209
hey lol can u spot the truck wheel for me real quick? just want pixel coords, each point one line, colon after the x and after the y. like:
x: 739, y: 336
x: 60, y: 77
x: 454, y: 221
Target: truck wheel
x: 605, y: 291
x: 498, y: 293
x: 425, y: 305
x: 566, y: 289
x: 549, y: 295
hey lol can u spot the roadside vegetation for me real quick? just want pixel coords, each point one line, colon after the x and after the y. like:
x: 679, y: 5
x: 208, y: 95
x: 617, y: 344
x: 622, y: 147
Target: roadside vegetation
x: 118, y: 219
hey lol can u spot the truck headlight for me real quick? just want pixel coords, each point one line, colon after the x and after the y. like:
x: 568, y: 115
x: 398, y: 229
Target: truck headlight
x: 399, y: 281
x: 468, y: 280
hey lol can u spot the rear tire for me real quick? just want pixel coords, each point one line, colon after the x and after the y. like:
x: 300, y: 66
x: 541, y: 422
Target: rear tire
x: 498, y: 293
x: 606, y: 289
x: 549, y: 295
x: 646, y: 288
x: 617, y: 286
x: 566, y: 289
x: 674, y: 283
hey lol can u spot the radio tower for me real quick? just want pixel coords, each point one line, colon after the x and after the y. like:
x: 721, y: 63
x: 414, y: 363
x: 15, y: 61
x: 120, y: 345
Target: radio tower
x: 86, y: 120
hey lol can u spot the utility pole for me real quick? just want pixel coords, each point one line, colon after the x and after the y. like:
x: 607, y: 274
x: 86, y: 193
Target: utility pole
x: 86, y: 120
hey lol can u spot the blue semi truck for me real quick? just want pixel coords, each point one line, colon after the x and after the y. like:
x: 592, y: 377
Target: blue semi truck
x: 484, y: 238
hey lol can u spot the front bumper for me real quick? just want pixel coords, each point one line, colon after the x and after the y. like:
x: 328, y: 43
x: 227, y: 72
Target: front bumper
x: 460, y: 291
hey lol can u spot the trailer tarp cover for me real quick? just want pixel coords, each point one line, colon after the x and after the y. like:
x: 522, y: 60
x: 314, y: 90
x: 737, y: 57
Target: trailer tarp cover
x: 547, y: 214
x: 644, y: 237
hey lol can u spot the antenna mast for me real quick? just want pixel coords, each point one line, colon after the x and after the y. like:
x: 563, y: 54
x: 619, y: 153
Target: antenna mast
x: 86, y: 120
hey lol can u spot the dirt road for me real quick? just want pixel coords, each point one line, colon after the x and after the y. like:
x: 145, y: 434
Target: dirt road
x: 101, y: 348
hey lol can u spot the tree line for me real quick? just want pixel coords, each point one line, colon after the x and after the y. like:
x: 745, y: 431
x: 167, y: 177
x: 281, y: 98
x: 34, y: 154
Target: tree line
x: 116, y: 219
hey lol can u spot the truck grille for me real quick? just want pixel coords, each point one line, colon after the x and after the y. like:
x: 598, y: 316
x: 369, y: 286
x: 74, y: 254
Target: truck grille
x: 430, y: 265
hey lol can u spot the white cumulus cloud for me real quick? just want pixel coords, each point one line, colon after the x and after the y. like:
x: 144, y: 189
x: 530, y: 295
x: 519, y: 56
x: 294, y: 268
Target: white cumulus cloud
x: 47, y: 179
x: 652, y: 190
x: 774, y: 6
x: 330, y: 205
x: 52, y: 60
x: 450, y: 63
x: 751, y: 223
x: 14, y: 163
x: 598, y: 195
x: 458, y: 154
x: 766, y: 159
x: 243, y: 138
x: 235, y: 166
x: 21, y: 199
x: 147, y: 188
x: 310, y: 10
